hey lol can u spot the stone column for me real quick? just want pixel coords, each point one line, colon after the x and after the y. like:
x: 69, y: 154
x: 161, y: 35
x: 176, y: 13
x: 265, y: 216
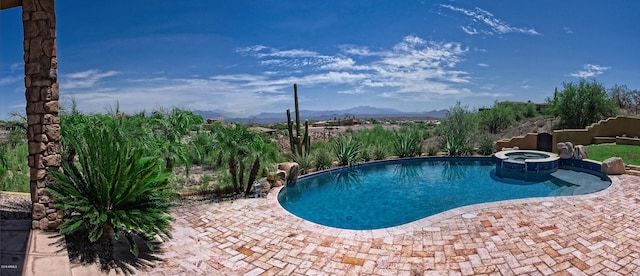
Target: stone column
x: 41, y: 91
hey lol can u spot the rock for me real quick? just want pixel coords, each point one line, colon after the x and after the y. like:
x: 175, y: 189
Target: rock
x: 39, y: 211
x: 580, y: 152
x: 281, y: 175
x: 286, y: 166
x: 44, y: 224
x: 565, y: 150
x: 266, y: 186
x: 293, y: 174
x: 613, y: 165
x: 277, y: 183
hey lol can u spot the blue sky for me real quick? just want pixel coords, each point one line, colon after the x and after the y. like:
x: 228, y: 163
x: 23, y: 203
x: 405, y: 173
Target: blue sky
x: 242, y: 57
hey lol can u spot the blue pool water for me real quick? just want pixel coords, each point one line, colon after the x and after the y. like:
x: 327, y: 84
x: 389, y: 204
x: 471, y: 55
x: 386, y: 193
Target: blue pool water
x: 388, y: 194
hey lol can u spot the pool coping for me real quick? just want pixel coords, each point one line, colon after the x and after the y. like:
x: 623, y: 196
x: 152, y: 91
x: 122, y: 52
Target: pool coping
x: 503, y: 155
x: 427, y: 223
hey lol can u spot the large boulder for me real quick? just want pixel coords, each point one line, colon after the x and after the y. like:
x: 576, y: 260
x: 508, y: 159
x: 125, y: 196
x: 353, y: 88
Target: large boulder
x: 580, y: 152
x: 613, y: 165
x: 286, y: 166
x: 292, y: 171
x: 565, y: 150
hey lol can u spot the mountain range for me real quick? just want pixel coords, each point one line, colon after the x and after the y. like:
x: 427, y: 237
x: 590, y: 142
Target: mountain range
x: 361, y: 112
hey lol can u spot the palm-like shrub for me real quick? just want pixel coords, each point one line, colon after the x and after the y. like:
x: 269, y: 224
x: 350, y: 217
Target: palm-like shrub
x: 245, y: 153
x: 346, y: 150
x: 112, y: 187
x: 407, y: 144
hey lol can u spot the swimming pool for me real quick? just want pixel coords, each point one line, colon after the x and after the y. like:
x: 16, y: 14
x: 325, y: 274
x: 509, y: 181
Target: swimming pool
x: 392, y: 193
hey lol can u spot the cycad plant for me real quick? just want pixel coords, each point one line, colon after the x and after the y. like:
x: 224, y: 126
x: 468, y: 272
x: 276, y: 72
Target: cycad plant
x: 110, y: 186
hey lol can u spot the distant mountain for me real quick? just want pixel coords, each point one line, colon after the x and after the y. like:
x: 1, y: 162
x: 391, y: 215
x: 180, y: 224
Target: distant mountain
x: 209, y: 114
x: 362, y: 112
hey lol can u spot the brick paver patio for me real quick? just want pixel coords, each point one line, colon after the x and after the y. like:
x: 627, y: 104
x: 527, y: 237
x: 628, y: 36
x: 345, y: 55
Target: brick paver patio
x: 578, y: 235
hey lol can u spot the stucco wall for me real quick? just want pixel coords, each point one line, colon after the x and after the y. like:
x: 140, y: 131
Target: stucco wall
x: 612, y: 127
x: 529, y: 142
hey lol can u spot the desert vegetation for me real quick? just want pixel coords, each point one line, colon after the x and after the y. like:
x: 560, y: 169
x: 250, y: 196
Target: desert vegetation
x: 228, y: 158
x: 121, y: 171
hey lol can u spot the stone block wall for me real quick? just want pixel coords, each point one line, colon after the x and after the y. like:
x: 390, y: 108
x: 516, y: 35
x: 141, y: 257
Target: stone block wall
x: 42, y: 94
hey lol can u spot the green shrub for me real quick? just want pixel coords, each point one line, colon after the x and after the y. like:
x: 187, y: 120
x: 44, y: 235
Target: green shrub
x: 113, y: 187
x: 498, y: 117
x: 406, y: 144
x: 13, y: 161
x: 432, y: 150
x: 346, y: 150
x: 305, y: 162
x: 323, y: 159
x: 204, y: 182
x: 486, y: 146
x: 365, y: 154
x: 458, y: 130
x: 379, y: 152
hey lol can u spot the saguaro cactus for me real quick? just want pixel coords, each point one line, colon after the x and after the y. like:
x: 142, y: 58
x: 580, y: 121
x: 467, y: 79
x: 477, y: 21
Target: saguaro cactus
x: 298, y: 146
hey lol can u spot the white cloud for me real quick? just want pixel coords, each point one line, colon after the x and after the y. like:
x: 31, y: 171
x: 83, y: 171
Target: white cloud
x: 411, y: 72
x: 85, y: 79
x: 15, y: 67
x: 10, y: 80
x: 590, y: 70
x: 469, y: 30
x: 357, y: 50
x: 567, y: 30
x: 494, y: 24
x: 483, y: 65
x: 357, y: 90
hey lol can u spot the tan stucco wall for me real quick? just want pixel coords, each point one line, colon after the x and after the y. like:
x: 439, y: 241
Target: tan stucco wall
x: 612, y: 127
x: 529, y: 142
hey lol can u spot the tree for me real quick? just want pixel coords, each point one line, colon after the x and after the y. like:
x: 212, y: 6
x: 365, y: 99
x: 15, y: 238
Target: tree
x: 580, y: 104
x: 245, y: 153
x: 635, y: 96
x: 169, y: 129
x: 458, y: 130
x: 621, y: 96
x: 497, y: 118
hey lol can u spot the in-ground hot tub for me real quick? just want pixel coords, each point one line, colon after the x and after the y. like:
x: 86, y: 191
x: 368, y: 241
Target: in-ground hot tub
x: 525, y: 164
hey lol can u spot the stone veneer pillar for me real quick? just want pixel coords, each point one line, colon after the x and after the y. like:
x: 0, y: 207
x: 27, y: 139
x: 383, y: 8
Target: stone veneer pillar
x: 41, y: 91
